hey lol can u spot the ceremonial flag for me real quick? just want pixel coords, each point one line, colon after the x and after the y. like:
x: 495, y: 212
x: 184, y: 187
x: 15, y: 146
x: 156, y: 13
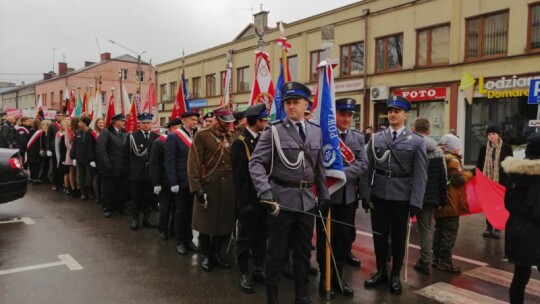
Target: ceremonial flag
x: 78, y: 108
x: 263, y: 88
x: 131, y: 125
x: 71, y: 103
x: 84, y: 110
x: 226, y: 98
x: 65, y: 100
x: 126, y: 103
x: 39, y: 108
x: 151, y: 104
x: 110, y: 110
x: 181, y: 105
x: 333, y: 160
x: 97, y: 111
x: 485, y: 195
x: 278, y: 112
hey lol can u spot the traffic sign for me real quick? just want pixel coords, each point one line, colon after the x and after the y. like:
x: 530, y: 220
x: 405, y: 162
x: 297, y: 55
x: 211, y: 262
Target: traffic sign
x: 534, y: 92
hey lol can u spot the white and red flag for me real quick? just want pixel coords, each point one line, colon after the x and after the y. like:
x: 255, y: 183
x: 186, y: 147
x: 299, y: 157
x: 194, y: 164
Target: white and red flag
x: 110, y: 111
x: 39, y: 109
x: 263, y: 88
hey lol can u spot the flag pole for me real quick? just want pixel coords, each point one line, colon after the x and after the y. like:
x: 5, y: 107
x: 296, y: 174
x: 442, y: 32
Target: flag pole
x: 328, y: 269
x: 283, y: 39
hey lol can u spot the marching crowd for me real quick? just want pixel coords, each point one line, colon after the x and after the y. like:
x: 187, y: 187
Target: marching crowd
x: 265, y: 184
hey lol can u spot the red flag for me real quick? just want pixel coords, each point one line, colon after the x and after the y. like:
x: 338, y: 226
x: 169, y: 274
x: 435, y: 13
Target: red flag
x: 263, y: 88
x: 131, y: 125
x: 110, y: 111
x: 180, y: 105
x: 489, y: 195
x: 84, y: 104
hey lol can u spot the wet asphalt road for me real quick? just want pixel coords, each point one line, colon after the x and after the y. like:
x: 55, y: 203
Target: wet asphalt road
x: 124, y: 266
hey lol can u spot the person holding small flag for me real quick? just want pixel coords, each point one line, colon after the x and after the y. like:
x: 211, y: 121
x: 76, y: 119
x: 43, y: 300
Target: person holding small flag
x: 286, y: 163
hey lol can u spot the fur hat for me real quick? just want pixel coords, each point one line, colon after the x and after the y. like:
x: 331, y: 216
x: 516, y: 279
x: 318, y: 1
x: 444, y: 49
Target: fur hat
x: 493, y: 129
x: 533, y: 146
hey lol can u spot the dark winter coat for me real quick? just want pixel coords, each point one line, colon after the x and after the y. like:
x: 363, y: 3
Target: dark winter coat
x: 84, y: 147
x: 136, y: 155
x: 176, y: 157
x: 456, y: 198
x: 241, y: 151
x: 32, y: 154
x: 109, y: 149
x: 51, y: 135
x: 506, y: 150
x: 522, y: 200
x: 436, y: 181
x: 158, y: 176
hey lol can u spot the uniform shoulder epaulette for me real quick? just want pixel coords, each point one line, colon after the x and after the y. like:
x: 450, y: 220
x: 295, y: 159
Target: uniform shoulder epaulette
x: 311, y: 122
x: 276, y: 122
x: 418, y: 134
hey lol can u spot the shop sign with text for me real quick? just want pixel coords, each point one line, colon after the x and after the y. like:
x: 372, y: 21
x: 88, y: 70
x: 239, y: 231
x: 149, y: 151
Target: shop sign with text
x: 422, y: 94
x: 505, y: 86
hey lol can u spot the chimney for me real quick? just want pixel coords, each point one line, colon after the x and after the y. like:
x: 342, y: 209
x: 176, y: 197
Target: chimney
x: 62, y: 68
x: 105, y: 56
x: 87, y: 63
x: 261, y: 20
x: 47, y: 76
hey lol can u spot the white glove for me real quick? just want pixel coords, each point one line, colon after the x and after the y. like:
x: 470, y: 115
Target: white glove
x: 92, y: 164
x: 49, y: 153
x: 157, y: 190
x: 64, y: 163
x: 74, y: 163
x: 174, y: 189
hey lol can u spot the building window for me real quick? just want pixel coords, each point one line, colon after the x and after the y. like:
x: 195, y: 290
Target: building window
x: 196, y: 87
x: 163, y: 91
x: 61, y: 96
x: 433, y: 45
x: 103, y: 98
x: 52, y: 99
x: 140, y: 76
x: 162, y: 121
x: 486, y: 36
x: 352, y: 59
x: 315, y: 58
x: 534, y: 27
x: 173, y: 87
x: 292, y: 62
x: 211, y: 85
x: 389, y: 53
x: 243, y: 79
x: 124, y: 74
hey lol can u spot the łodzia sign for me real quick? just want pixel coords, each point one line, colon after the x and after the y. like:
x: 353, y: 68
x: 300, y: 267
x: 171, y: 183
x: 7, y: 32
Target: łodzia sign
x: 505, y: 87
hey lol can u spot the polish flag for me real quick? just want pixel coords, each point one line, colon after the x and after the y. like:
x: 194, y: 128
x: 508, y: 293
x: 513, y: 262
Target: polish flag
x: 263, y: 88
x: 110, y: 111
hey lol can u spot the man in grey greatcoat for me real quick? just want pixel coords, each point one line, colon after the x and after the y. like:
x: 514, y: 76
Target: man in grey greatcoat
x: 398, y: 167
x: 292, y: 152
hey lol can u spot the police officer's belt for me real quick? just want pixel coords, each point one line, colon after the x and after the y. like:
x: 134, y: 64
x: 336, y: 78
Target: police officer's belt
x: 390, y: 174
x: 300, y: 185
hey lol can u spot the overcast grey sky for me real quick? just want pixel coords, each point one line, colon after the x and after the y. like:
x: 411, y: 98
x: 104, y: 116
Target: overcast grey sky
x: 30, y: 29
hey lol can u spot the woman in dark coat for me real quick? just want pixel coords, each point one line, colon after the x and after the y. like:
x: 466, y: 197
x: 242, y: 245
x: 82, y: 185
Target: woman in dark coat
x: 522, y: 199
x: 35, y: 151
x: 490, y: 157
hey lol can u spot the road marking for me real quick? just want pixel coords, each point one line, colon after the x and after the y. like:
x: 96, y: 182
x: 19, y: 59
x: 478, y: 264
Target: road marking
x: 24, y: 219
x: 446, y: 293
x: 65, y: 259
x: 502, y: 278
x: 456, y: 257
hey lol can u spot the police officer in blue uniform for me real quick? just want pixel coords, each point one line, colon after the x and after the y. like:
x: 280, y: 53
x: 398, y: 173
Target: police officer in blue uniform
x: 398, y: 167
x: 137, y: 162
x: 343, y: 200
x: 251, y: 215
x: 291, y: 151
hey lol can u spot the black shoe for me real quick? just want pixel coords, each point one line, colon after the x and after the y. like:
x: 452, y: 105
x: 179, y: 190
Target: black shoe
x: 257, y: 273
x: 287, y: 271
x: 107, y: 214
x: 449, y: 268
x: 322, y: 289
x: 216, y: 259
x: 302, y: 301
x: 422, y: 267
x: 496, y: 234
x: 181, y: 249
x: 193, y: 247
x: 245, y: 284
x: 346, y: 291
x: 205, y: 263
x: 352, y: 260
x: 134, y: 224
x: 377, y: 279
x: 395, y: 284
x: 488, y: 233
x: 147, y: 223
x: 163, y: 236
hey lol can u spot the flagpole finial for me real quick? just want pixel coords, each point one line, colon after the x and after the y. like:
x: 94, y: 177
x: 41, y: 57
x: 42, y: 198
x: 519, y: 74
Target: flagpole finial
x: 281, y: 29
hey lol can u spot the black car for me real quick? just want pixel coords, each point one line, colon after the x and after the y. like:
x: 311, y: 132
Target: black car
x: 13, y: 177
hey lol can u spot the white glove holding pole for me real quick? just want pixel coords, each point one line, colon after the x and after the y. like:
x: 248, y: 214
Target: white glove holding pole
x: 92, y: 164
x: 175, y: 189
x: 74, y: 163
x: 157, y: 190
x: 49, y: 153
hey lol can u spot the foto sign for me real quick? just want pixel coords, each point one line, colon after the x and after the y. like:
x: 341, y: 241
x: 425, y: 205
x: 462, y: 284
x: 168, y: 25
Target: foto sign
x: 534, y: 92
x: 422, y: 94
